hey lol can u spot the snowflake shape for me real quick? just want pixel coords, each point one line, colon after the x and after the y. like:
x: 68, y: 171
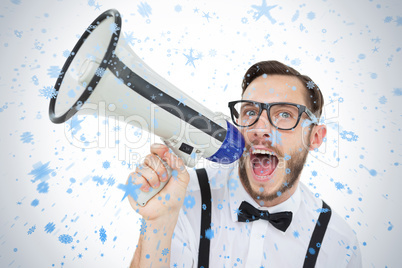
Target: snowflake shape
x: 42, y: 187
x: 388, y: 19
x: 212, y: 53
x: 100, y: 71
x: 165, y: 251
x: 31, y: 230
x: 143, y: 226
x: 310, y: 85
x: 106, y: 164
x: 114, y: 28
x: 383, y: 100
x: 339, y: 186
x: 102, y: 235
x: 348, y: 135
x: 189, y: 201
x: 65, y: 239
x: 48, y: 92
x: 233, y: 184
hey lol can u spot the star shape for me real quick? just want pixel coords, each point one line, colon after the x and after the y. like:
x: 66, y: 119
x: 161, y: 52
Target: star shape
x: 190, y: 58
x: 264, y: 10
x: 130, y: 189
x: 181, y: 101
x: 206, y: 16
x: 97, y: 6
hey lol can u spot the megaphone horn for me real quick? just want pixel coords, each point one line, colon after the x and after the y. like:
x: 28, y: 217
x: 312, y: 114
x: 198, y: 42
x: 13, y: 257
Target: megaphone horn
x: 114, y: 74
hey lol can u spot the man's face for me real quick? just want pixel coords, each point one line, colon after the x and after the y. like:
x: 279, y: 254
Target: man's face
x: 268, y: 178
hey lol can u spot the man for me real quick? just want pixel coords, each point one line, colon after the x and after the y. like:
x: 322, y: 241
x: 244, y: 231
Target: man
x: 261, y: 215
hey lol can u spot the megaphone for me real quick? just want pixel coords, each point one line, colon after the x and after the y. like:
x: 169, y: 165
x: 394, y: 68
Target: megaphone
x: 103, y: 68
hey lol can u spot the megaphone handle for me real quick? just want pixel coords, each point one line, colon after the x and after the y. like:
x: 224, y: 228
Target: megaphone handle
x: 143, y: 197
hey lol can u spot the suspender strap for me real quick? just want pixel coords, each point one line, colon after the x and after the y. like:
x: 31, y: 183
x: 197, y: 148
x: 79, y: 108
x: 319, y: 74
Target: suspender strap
x: 317, y: 237
x: 203, y: 252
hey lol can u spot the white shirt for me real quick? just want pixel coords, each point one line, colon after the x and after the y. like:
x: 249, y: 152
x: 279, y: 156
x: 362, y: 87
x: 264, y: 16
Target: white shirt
x: 257, y: 243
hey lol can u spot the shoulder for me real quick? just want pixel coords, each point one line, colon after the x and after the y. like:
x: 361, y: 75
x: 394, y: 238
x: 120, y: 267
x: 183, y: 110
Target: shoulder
x: 314, y: 204
x: 218, y: 176
x: 340, y: 244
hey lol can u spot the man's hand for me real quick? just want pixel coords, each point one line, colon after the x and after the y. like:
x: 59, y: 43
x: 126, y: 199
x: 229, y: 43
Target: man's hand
x: 150, y: 174
x: 162, y: 211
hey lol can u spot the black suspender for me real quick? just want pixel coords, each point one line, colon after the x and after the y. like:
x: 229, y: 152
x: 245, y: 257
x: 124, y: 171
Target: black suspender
x: 203, y: 252
x: 317, y: 237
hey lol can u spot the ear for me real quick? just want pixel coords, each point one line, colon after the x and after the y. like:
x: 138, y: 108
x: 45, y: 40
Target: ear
x: 317, y: 136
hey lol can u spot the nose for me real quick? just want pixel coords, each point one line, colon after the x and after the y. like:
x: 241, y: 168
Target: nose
x: 260, y: 131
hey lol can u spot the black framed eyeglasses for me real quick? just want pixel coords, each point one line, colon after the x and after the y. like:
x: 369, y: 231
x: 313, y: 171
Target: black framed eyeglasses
x: 282, y: 115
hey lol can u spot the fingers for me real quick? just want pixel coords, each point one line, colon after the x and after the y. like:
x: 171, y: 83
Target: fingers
x: 138, y: 179
x: 164, y: 153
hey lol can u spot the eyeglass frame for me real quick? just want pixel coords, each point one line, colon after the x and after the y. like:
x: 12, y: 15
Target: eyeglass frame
x: 267, y: 106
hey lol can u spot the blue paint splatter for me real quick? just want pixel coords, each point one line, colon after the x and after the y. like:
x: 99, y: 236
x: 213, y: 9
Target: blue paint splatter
x: 209, y: 234
x: 144, y: 9
x: 311, y: 15
x: 40, y: 171
x: 26, y: 137
x: 295, y: 16
x: 35, y: 202
x: 362, y: 56
x: 275, y: 137
x: 397, y: 91
x: 296, y: 234
x: 50, y: 227
x: 32, y: 229
x: 53, y: 71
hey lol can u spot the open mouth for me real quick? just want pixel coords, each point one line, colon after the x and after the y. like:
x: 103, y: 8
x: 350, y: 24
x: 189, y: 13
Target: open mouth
x: 263, y: 163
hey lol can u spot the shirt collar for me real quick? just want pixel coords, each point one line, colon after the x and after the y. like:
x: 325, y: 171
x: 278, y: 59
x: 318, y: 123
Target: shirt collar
x: 238, y: 194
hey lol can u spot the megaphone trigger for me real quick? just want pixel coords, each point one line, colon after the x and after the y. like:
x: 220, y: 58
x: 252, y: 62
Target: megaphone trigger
x: 144, y: 197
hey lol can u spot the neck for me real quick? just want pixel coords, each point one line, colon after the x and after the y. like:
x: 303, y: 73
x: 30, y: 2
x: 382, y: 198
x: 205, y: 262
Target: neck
x: 280, y: 199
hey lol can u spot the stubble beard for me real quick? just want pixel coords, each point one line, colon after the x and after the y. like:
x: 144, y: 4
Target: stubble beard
x: 295, y: 164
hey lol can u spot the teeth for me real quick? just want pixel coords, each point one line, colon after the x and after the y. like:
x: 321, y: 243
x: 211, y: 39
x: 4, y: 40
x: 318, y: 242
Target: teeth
x: 263, y: 152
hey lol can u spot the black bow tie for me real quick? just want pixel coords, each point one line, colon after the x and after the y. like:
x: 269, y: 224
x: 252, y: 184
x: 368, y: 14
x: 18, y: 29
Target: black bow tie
x: 280, y: 220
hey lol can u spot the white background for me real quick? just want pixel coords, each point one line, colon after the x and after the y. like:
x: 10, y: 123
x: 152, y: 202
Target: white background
x: 352, y: 49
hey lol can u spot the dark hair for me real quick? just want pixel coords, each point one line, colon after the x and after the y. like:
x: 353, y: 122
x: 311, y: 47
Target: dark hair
x: 315, y: 99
